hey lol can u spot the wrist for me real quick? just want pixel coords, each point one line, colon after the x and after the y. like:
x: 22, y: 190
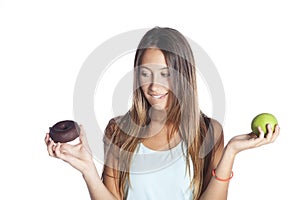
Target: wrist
x: 229, y: 151
x: 89, y: 170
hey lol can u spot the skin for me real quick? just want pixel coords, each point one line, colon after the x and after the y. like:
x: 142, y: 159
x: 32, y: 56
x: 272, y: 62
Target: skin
x: 154, y: 84
x: 155, y: 78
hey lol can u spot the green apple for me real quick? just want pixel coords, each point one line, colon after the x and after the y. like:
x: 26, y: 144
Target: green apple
x: 262, y: 120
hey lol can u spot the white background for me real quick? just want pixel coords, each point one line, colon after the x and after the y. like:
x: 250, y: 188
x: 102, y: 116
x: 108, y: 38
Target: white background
x: 43, y: 44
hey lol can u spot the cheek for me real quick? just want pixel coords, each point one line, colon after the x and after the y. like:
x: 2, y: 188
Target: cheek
x: 168, y: 84
x: 144, y: 88
x: 165, y: 83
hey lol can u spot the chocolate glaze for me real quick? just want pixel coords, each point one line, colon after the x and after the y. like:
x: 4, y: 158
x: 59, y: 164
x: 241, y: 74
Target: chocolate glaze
x: 64, y: 131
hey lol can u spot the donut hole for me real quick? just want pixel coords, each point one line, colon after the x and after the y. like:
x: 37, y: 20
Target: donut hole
x: 64, y: 126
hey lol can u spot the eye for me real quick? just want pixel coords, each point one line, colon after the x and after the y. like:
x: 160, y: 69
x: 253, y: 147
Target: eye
x: 165, y: 74
x: 145, y: 73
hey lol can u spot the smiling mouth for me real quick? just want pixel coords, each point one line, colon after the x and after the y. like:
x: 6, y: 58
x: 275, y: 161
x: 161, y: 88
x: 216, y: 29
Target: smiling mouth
x: 158, y: 96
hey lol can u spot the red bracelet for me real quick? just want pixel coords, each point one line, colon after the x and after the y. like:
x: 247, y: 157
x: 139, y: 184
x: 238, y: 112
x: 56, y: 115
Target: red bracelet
x: 221, y: 179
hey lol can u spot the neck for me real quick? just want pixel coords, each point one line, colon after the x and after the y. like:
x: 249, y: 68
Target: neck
x: 160, y: 136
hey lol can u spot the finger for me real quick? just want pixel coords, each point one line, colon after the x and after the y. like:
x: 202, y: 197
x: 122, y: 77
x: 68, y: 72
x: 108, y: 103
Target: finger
x: 50, y: 148
x: 56, y: 150
x: 63, y: 155
x: 270, y: 133
x: 261, y: 133
x: 46, y: 138
x: 69, y: 149
x: 260, y: 140
x: 276, y: 133
x: 50, y: 144
x: 83, y: 140
x: 82, y: 135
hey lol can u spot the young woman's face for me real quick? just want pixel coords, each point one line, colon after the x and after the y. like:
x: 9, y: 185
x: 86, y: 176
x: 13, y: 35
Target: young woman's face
x: 154, y: 76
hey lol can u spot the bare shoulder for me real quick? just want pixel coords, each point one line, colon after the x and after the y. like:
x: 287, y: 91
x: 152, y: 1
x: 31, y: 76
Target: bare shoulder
x: 212, y: 123
x: 113, y: 130
x: 112, y: 124
x: 114, y: 138
x: 217, y: 126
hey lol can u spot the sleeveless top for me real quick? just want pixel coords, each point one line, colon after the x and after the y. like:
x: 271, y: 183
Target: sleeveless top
x: 160, y: 175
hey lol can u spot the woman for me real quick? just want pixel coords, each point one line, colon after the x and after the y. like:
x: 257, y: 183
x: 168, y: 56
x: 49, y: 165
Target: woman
x: 142, y: 160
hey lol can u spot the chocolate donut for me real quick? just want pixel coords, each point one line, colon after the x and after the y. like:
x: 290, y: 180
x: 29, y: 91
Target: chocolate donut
x: 64, y: 131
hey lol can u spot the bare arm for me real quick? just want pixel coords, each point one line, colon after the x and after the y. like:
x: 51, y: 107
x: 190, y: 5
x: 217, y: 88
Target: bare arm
x: 219, y: 189
x: 97, y: 189
x: 79, y: 156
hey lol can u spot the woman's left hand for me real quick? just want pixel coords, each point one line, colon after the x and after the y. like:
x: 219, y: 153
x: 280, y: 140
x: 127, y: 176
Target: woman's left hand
x: 249, y: 141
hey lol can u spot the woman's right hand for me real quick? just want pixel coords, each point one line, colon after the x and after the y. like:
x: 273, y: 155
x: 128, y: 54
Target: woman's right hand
x: 78, y: 156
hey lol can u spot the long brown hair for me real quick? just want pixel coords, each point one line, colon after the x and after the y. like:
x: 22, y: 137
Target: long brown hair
x: 123, y: 134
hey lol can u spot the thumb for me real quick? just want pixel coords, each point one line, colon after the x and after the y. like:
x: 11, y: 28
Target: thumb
x: 82, y: 138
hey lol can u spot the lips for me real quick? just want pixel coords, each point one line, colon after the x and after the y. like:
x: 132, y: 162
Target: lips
x: 158, y: 96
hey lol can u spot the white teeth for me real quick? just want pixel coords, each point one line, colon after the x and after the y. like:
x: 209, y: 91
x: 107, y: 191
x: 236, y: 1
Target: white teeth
x: 157, y: 97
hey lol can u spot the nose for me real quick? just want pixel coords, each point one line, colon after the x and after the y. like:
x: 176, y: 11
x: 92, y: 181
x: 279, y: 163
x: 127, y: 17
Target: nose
x: 157, y: 82
x: 154, y: 87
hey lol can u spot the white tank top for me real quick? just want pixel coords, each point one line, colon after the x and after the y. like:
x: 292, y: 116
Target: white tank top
x: 160, y: 175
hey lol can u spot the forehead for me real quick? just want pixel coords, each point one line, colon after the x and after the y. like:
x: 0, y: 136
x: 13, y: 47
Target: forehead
x: 153, y: 56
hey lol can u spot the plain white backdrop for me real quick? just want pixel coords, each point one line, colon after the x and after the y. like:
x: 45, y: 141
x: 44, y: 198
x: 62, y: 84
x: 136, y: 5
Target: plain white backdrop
x: 43, y: 44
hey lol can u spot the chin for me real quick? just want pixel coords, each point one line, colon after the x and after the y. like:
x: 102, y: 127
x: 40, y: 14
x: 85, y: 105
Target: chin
x: 158, y: 107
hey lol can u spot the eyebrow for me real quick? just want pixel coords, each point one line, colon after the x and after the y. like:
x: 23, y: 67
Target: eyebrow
x: 143, y: 66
